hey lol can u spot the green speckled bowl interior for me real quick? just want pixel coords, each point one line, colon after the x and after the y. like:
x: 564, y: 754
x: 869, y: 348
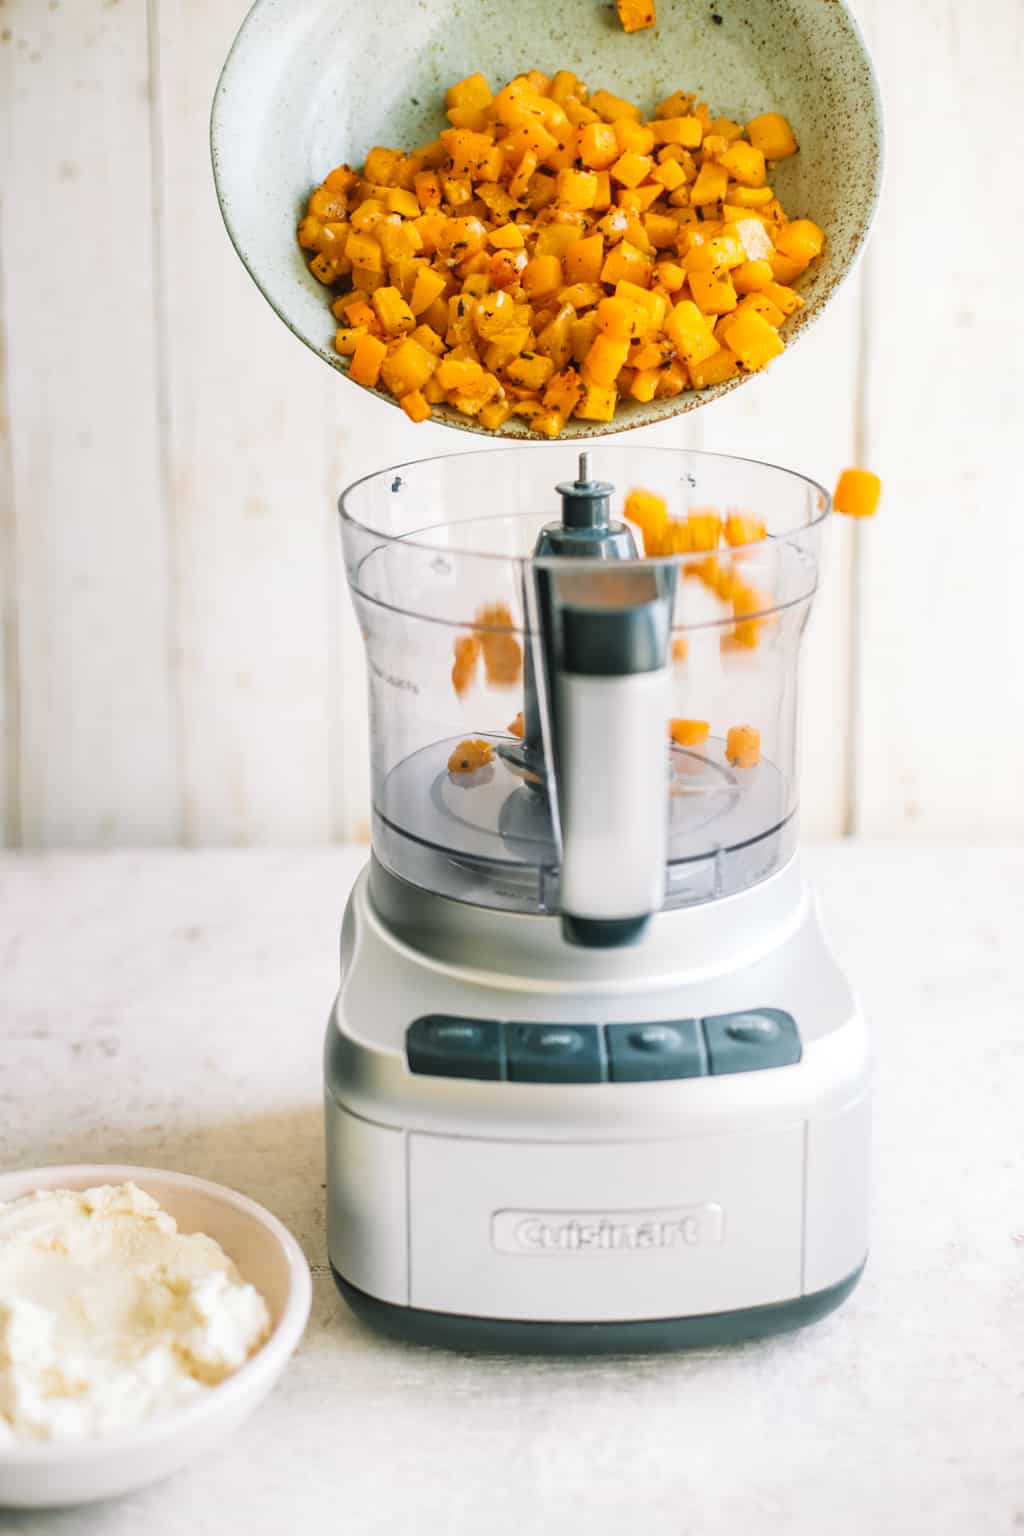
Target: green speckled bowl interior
x: 311, y: 83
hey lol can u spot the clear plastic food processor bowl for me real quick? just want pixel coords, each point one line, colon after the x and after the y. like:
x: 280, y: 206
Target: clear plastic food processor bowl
x: 483, y: 594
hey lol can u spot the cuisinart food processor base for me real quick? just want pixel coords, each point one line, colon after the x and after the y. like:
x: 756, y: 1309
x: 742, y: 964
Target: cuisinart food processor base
x: 593, y: 1079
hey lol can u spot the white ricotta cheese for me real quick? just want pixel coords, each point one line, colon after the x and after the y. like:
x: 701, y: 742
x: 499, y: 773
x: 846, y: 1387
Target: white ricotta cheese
x: 109, y: 1314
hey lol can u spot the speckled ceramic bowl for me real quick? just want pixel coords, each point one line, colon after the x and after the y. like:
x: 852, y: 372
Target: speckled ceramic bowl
x: 310, y: 83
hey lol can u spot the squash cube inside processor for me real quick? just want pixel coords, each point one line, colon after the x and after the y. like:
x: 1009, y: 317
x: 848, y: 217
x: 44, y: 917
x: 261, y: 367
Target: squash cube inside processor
x: 743, y: 746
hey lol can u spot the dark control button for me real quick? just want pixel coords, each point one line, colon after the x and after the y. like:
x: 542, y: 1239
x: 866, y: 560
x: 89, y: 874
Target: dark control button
x: 560, y: 1041
x: 554, y: 1053
x: 752, y: 1028
x: 439, y: 1045
x: 643, y: 1053
x: 752, y: 1041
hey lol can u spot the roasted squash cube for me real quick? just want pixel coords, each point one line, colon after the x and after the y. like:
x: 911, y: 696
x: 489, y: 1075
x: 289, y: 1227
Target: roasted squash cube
x: 857, y: 493
x: 772, y: 135
x: 752, y: 339
x: 689, y: 733
x: 743, y: 746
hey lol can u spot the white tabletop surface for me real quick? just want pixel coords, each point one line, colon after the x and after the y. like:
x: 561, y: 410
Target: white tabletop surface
x: 169, y: 1008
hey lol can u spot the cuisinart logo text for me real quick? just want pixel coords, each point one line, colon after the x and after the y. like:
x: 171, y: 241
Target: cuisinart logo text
x: 597, y: 1232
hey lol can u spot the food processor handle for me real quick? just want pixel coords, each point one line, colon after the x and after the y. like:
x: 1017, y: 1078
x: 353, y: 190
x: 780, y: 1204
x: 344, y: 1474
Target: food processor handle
x: 611, y: 704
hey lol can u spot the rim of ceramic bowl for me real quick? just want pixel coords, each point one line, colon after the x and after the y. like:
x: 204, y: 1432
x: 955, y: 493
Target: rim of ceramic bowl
x: 268, y: 1361
x: 575, y: 430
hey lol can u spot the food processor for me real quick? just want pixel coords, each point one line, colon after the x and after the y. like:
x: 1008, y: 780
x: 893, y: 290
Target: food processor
x: 594, y: 1081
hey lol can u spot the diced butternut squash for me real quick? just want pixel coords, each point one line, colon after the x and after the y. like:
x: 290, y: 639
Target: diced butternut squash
x: 753, y: 277
x: 741, y: 529
x: 744, y: 163
x: 752, y: 339
x: 470, y: 755
x: 635, y: 15
x: 367, y: 360
x: 347, y: 338
x: 552, y: 251
x: 801, y: 240
x: 415, y: 406
x: 596, y: 404
x: 650, y: 513
x: 772, y: 135
x: 690, y: 333
x: 716, y: 369
x: 743, y: 746
x: 713, y: 292
x: 857, y: 493
x: 407, y: 367
x: 710, y: 186
x: 689, y: 733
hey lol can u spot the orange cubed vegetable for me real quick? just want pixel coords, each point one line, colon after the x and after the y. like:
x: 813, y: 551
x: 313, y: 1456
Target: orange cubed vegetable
x: 713, y: 292
x: 635, y: 15
x: 801, y: 241
x: 630, y: 169
x: 611, y: 107
x: 721, y: 365
x: 464, y: 667
x: 710, y: 186
x: 772, y: 135
x: 597, y: 146
x: 621, y: 320
x: 705, y: 529
x: 625, y: 261
x: 603, y: 361
x: 753, y: 277
x: 715, y: 254
x: 787, y: 299
x: 470, y: 755
x: 367, y: 360
x: 494, y: 414
x: 583, y: 261
x: 347, y: 338
x: 680, y: 649
x: 407, y: 367
x: 515, y: 727
x: 541, y: 276
x: 392, y: 311
x: 471, y: 92
x: 576, y: 189
x: 502, y: 653
x: 857, y: 493
x: 743, y: 746
x: 689, y: 733
x: 650, y: 514
x: 596, y: 404
x: 761, y: 304
x: 785, y: 269
x: 753, y: 237
x: 741, y: 529
x: 415, y: 406
x: 530, y: 370
x: 428, y: 286
x: 690, y: 333
x: 744, y: 163
x: 685, y: 131
x: 752, y: 339
x: 563, y: 392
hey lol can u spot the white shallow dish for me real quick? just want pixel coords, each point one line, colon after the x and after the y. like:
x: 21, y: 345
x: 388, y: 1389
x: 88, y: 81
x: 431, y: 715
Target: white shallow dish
x: 310, y: 83
x: 73, y: 1472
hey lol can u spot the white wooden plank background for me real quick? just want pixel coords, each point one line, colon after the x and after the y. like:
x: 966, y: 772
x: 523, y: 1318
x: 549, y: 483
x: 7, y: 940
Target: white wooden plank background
x: 940, y: 744
x: 178, y: 660
x: 98, y: 733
